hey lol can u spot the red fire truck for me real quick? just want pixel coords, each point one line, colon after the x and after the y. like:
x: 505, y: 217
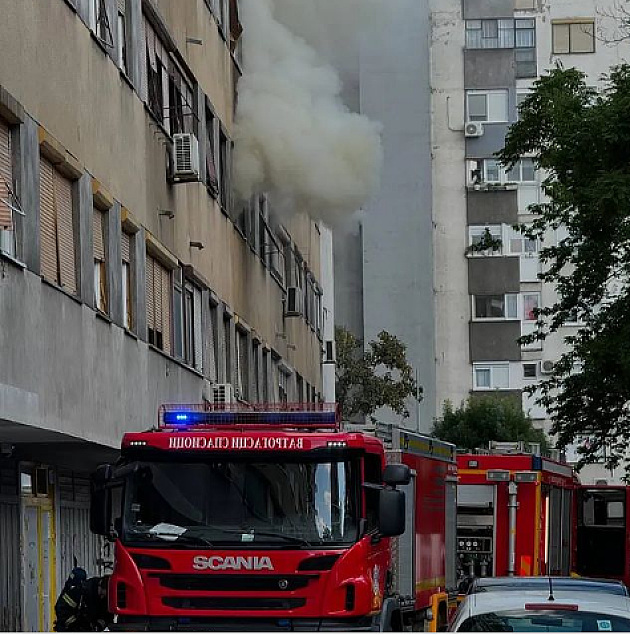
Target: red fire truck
x: 514, y: 515
x: 522, y: 514
x: 273, y: 518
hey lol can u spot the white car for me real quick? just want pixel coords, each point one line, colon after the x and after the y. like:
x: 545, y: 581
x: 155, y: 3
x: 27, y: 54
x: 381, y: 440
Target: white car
x: 543, y: 612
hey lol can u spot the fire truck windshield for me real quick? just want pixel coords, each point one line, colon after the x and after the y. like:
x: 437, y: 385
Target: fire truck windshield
x: 222, y: 503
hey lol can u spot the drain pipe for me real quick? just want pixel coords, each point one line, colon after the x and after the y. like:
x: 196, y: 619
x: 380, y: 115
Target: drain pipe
x: 512, y: 506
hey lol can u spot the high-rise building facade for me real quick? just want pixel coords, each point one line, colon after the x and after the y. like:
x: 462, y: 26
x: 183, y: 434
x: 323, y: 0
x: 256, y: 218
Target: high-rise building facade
x: 129, y: 274
x: 406, y: 265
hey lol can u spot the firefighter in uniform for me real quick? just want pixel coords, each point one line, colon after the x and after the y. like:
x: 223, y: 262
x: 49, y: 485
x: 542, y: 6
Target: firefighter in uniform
x: 82, y: 605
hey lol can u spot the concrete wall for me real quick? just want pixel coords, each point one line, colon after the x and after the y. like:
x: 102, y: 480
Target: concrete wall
x: 492, y: 207
x: 398, y: 225
x: 476, y: 9
x: 491, y: 341
x: 81, y: 103
x: 450, y: 270
x: 493, y: 275
x: 348, y: 260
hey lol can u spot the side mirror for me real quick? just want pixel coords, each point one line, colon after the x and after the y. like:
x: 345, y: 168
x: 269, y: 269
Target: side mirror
x: 396, y: 474
x: 100, y: 502
x: 391, y: 512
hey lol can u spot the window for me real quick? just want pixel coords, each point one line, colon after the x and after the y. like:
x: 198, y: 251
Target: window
x: 224, y: 174
x: 157, y: 76
x: 159, y: 300
x: 282, y: 387
x: 127, y: 280
x: 496, y: 307
x: 476, y: 234
x: 520, y: 244
x: 58, y: 259
x: 242, y: 366
x: 179, y: 117
x: 227, y: 348
x: 573, y: 36
x: 501, y: 33
x: 531, y: 302
x: 523, y: 171
x: 265, y: 376
x: 213, y: 338
x: 256, y: 371
x: 211, y: 159
x: 99, y: 234
x: 530, y: 371
x: 489, y: 106
x: 494, y: 376
x: 7, y: 200
x: 525, y: 59
x: 187, y: 324
x: 99, y: 21
x: 122, y: 36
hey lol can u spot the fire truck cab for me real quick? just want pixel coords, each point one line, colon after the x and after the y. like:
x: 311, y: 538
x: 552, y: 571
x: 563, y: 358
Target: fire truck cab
x: 271, y: 518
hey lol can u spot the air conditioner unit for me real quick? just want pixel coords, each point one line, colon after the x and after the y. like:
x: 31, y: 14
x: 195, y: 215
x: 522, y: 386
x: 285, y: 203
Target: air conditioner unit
x: 329, y: 352
x: 546, y: 367
x: 185, y: 157
x: 293, y: 302
x: 473, y: 129
x: 223, y: 394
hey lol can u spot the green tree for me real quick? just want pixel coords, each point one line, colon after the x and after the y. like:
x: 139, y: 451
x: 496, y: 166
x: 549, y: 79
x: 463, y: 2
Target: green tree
x: 581, y: 141
x: 372, y: 378
x: 482, y: 419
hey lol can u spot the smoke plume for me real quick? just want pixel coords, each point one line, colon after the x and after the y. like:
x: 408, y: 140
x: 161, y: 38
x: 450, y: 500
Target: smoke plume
x: 294, y: 136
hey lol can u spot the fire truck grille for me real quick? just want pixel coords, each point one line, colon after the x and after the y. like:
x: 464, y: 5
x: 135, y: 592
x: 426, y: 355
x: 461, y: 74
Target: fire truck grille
x: 187, y: 582
x: 234, y: 604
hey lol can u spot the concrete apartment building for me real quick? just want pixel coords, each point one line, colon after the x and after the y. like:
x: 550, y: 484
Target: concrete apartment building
x: 129, y: 275
x: 446, y: 90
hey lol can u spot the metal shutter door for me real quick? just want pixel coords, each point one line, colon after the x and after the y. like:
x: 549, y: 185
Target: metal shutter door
x: 150, y: 283
x: 47, y: 222
x: 10, y: 589
x: 166, y: 307
x: 125, y: 247
x: 6, y: 177
x: 225, y: 355
x: 198, y: 329
x: 65, y: 232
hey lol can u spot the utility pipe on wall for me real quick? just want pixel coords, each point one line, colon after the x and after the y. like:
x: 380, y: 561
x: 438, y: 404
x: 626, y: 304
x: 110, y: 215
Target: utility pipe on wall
x: 512, y: 506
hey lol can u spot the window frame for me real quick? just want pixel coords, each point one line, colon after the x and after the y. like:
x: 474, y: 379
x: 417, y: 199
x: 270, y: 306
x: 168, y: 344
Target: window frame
x: 491, y: 367
x: 505, y: 37
x: 533, y: 365
x: 508, y: 302
x: 490, y: 112
x: 496, y: 231
x: 570, y: 22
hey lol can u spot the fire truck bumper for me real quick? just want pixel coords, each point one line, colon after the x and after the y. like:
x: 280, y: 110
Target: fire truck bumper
x: 164, y: 624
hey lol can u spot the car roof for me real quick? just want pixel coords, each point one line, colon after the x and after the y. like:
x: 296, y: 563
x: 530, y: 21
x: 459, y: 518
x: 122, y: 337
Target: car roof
x: 519, y: 583
x: 492, y: 601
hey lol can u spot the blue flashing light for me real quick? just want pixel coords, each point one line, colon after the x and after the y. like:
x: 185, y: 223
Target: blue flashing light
x: 217, y: 417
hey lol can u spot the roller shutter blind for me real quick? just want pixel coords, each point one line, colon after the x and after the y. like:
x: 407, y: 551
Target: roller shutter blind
x: 165, y: 295
x: 150, y: 283
x: 198, y: 330
x: 65, y: 232
x: 48, y: 222
x: 6, y: 177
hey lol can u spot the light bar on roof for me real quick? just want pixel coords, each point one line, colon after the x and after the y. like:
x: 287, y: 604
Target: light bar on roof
x: 183, y: 417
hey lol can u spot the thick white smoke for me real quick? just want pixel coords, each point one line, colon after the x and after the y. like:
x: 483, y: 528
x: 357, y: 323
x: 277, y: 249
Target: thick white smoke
x: 294, y: 137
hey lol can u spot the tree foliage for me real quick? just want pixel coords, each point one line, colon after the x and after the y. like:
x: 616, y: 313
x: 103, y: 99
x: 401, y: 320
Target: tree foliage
x: 581, y: 141
x: 482, y: 419
x: 372, y: 378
